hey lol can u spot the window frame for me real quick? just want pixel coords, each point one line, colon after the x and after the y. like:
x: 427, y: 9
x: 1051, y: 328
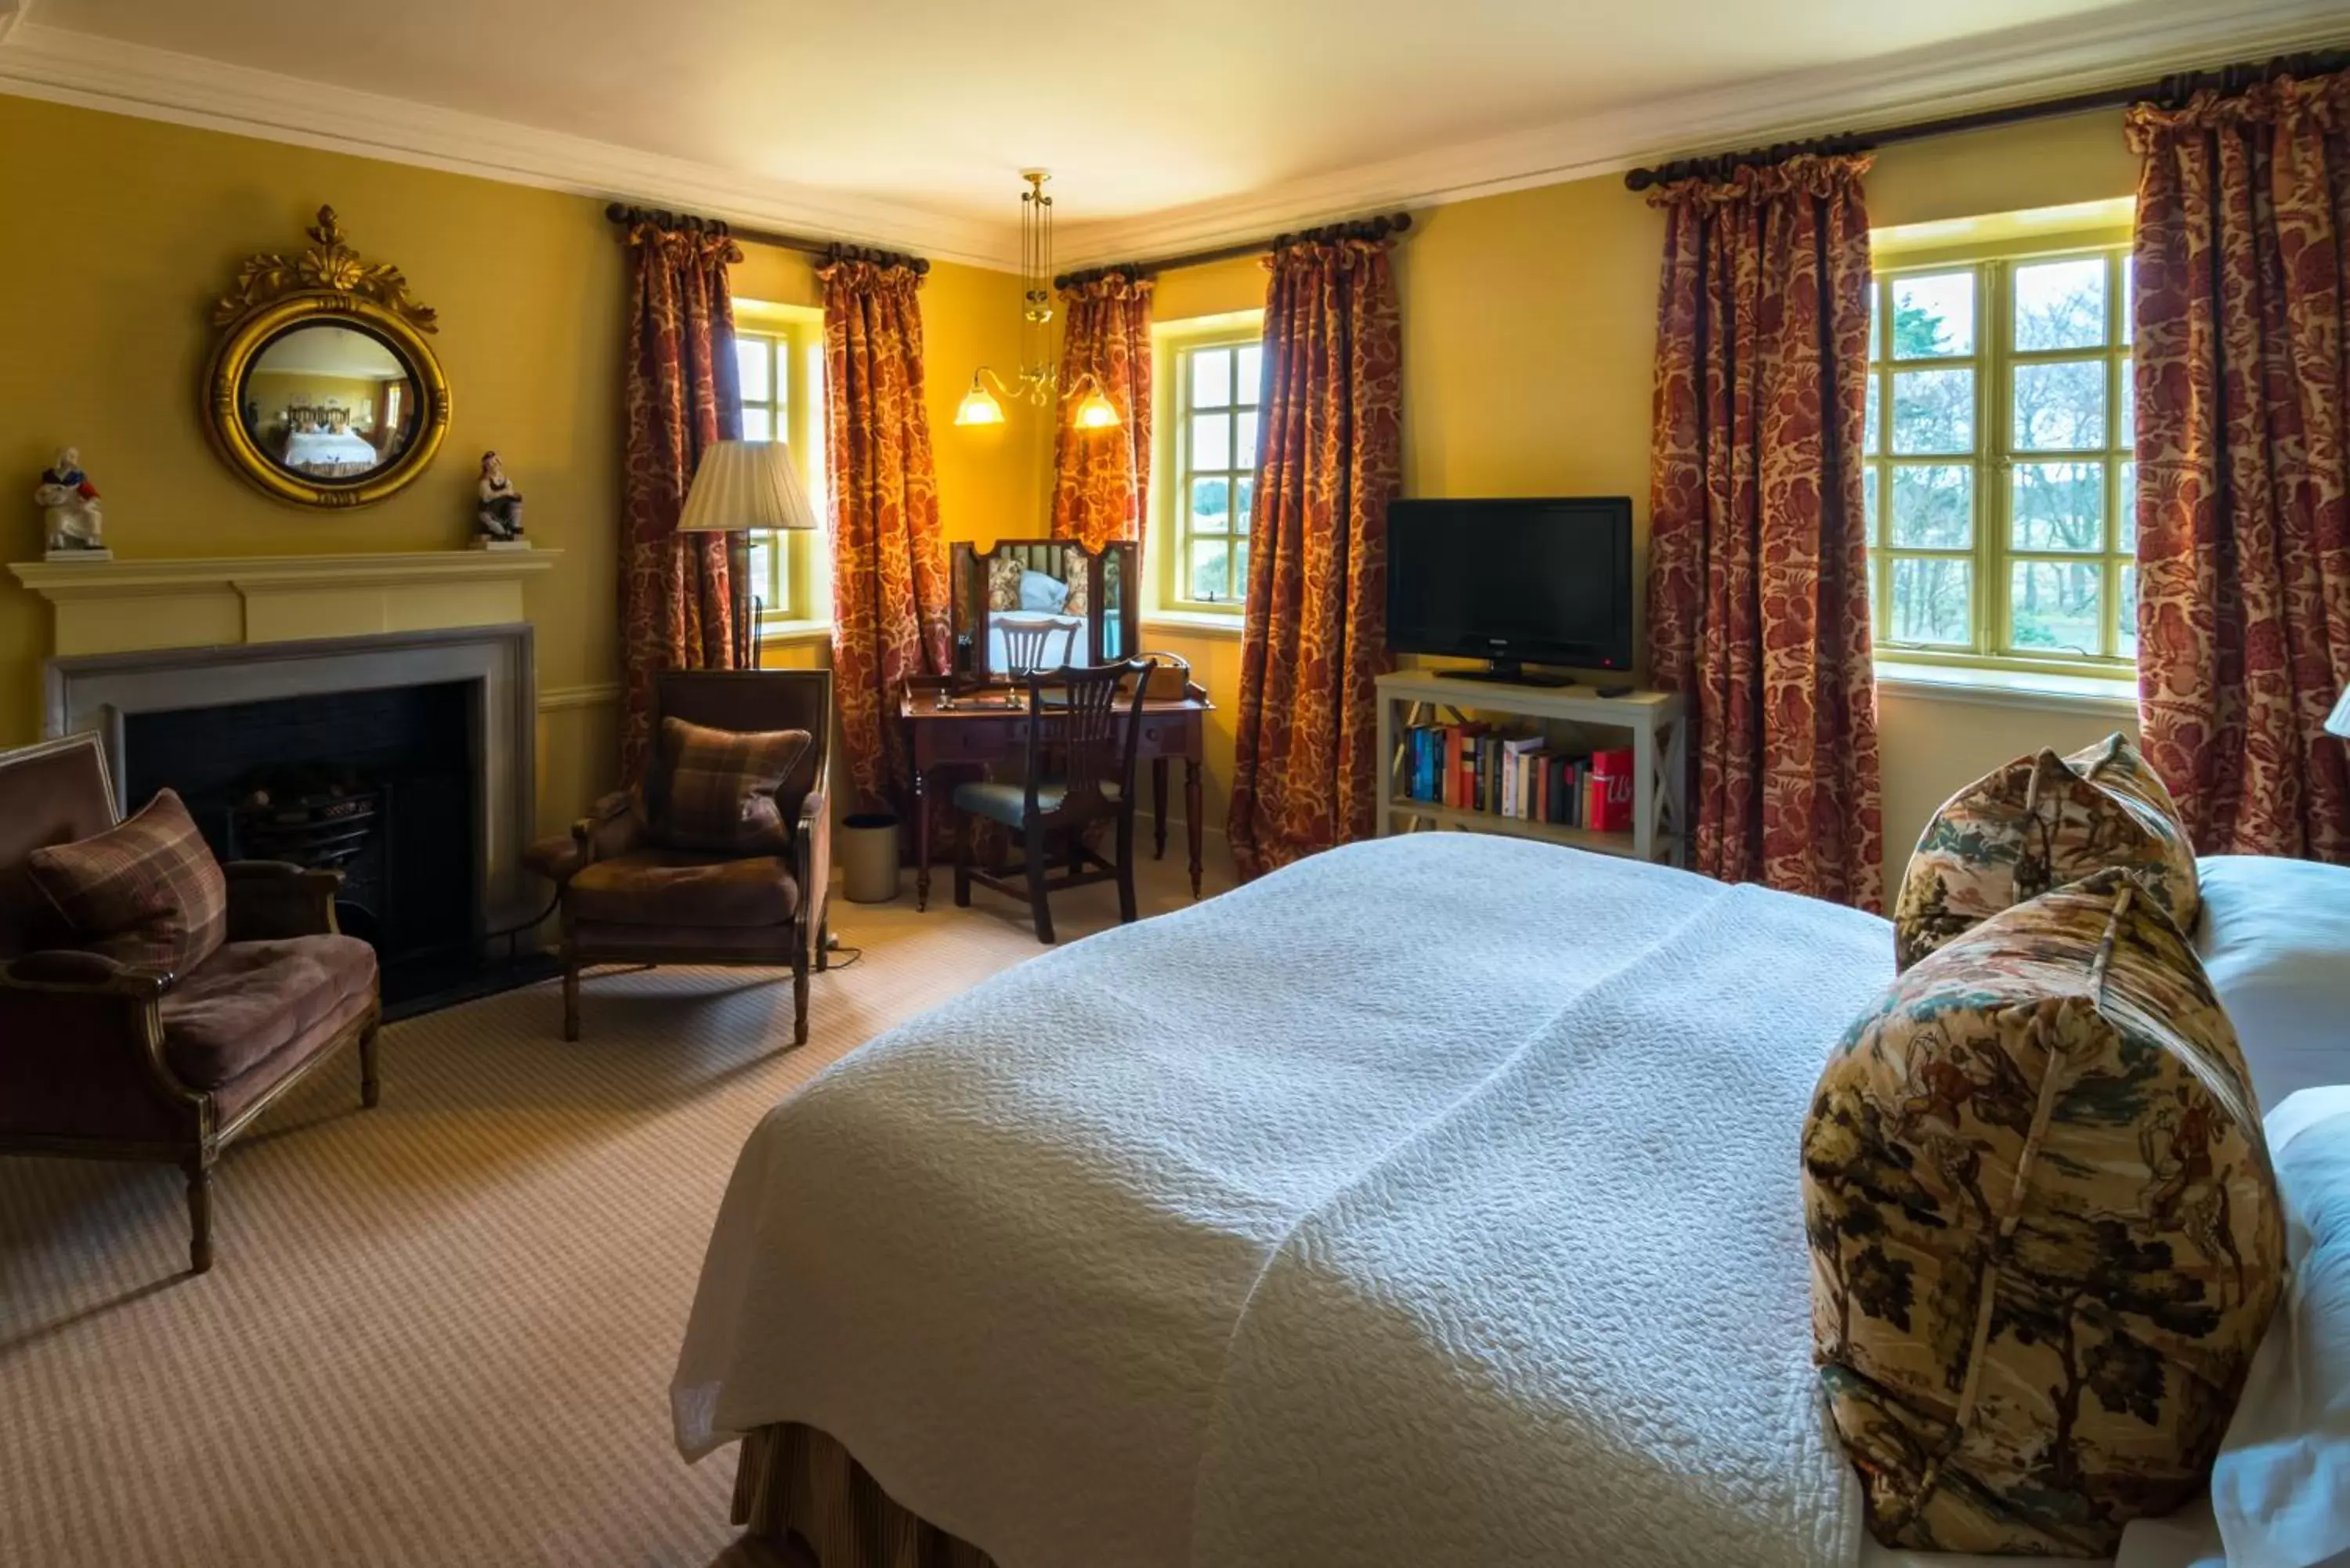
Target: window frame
x: 1172, y: 470
x: 794, y: 587
x: 1995, y: 458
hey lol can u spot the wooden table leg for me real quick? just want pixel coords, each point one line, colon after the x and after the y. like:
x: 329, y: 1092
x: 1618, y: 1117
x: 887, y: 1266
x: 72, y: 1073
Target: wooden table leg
x: 1158, y: 807
x: 1192, y: 826
x: 921, y: 838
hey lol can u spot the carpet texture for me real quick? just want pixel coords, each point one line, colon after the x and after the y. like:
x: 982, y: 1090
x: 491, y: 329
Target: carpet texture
x: 440, y: 1332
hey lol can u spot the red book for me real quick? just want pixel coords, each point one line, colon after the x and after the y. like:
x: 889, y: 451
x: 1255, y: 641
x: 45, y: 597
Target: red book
x: 1463, y: 789
x: 1611, y: 773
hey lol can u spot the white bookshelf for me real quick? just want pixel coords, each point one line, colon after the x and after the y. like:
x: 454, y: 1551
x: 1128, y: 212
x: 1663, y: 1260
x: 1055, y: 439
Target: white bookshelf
x: 1651, y: 723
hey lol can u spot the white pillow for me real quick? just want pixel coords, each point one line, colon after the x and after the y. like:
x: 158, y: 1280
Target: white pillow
x: 2275, y: 938
x: 2281, y: 1487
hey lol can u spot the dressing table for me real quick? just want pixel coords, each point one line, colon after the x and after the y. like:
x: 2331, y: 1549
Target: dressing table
x: 1039, y: 604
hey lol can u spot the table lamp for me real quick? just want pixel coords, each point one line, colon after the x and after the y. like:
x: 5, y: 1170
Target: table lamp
x: 742, y: 485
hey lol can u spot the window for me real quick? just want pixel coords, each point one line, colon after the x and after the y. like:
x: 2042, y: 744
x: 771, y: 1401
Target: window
x: 1205, y: 517
x: 2001, y: 490
x: 778, y: 360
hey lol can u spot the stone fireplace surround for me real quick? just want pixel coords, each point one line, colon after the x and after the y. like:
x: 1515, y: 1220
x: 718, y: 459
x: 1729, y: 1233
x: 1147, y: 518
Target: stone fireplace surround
x: 98, y: 693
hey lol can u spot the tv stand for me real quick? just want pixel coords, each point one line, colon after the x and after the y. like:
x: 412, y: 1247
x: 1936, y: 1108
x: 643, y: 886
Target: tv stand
x: 1506, y: 673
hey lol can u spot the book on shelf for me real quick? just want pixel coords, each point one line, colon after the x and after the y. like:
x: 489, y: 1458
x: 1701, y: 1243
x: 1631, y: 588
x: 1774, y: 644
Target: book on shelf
x: 1516, y: 775
x: 1611, y: 807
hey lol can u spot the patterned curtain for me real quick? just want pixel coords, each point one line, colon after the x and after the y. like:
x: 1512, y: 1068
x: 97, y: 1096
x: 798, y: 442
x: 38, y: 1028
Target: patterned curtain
x: 1758, y: 558
x: 1100, y: 477
x: 677, y: 605
x: 2243, y: 535
x: 1314, y: 640
x: 889, y: 555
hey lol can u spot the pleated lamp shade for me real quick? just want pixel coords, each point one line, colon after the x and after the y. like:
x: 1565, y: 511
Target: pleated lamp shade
x: 2339, y: 719
x: 745, y: 484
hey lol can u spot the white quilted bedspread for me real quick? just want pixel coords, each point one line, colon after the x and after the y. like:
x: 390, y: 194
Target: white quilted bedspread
x: 1432, y: 1201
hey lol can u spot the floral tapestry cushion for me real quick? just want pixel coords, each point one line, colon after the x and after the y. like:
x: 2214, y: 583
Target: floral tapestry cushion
x: 147, y: 892
x: 715, y: 789
x: 2045, y: 1235
x: 2036, y: 823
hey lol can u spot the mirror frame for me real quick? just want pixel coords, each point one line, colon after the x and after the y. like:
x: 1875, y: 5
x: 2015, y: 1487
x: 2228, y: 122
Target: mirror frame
x: 326, y: 285
x: 968, y: 584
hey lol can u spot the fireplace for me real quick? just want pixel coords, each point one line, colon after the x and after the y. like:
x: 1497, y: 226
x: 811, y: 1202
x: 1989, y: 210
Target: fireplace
x: 402, y: 759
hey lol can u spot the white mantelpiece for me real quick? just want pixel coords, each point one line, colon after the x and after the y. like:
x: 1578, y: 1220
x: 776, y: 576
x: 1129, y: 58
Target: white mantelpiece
x: 128, y: 605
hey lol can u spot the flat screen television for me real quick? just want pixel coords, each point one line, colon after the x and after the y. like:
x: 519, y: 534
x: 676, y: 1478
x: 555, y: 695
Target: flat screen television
x: 1513, y: 582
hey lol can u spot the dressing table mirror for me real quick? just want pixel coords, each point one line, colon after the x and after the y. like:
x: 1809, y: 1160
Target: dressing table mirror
x: 1026, y: 604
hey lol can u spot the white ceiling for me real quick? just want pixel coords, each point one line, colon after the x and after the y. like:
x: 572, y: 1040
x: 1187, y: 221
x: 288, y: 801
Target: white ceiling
x: 905, y: 121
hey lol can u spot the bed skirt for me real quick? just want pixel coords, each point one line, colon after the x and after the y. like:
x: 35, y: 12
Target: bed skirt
x: 792, y: 1481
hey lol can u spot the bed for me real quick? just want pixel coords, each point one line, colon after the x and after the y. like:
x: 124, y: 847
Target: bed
x: 1474, y: 1242
x: 329, y: 452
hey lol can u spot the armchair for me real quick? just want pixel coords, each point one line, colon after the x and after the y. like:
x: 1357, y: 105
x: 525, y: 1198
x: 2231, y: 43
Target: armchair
x: 108, y: 1062
x: 627, y: 900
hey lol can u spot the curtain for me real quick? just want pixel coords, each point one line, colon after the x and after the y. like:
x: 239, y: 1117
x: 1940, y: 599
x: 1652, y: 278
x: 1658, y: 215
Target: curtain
x: 2243, y: 540
x: 677, y: 605
x: 889, y: 555
x: 1100, y: 477
x: 1758, y: 554
x: 1313, y: 639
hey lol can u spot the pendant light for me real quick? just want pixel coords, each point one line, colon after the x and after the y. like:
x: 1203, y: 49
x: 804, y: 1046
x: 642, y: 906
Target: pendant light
x: 1039, y: 380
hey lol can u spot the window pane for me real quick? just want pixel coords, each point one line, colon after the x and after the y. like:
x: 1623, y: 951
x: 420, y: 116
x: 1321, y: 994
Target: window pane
x: 2060, y: 304
x: 1212, y: 441
x: 2061, y: 407
x: 1240, y: 572
x: 2125, y: 417
x: 1212, y: 378
x: 2057, y: 605
x: 1934, y: 315
x: 1932, y: 601
x: 1934, y: 506
x: 2060, y: 507
x: 757, y: 425
x: 1211, y: 506
x: 2125, y: 643
x: 1875, y: 310
x: 1210, y: 570
x: 1248, y: 373
x: 1869, y: 502
x: 2128, y: 490
x: 1869, y: 436
x: 1934, y: 411
x: 763, y: 567
x: 1246, y: 456
x: 2129, y: 301
x: 1244, y: 501
x: 751, y: 361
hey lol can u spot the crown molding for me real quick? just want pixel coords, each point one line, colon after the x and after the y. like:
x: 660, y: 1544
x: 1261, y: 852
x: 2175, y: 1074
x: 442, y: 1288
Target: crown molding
x: 2113, y: 47
x: 80, y: 69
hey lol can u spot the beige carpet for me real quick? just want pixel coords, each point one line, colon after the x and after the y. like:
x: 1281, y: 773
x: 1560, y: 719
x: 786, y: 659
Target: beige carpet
x: 440, y: 1332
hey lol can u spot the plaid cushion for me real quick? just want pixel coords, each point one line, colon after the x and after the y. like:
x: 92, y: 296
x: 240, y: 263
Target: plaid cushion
x: 145, y: 892
x: 715, y: 790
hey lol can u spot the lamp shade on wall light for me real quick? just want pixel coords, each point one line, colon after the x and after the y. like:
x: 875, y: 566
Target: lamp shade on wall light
x: 979, y: 407
x: 742, y: 485
x: 1097, y: 412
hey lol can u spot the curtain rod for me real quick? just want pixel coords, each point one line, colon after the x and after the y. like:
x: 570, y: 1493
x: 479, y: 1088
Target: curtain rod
x: 2171, y: 90
x: 1376, y: 228
x: 628, y: 217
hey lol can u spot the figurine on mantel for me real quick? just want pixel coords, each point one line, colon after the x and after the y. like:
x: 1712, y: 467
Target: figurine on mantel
x: 497, y: 521
x: 72, y: 524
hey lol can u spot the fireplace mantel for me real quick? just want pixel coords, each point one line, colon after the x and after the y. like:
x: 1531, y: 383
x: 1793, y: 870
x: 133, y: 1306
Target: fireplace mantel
x: 130, y: 606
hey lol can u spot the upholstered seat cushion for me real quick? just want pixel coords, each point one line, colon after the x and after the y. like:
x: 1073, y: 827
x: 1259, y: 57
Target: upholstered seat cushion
x: 656, y: 886
x: 249, y: 1000
x: 2045, y: 1236
x: 1008, y: 802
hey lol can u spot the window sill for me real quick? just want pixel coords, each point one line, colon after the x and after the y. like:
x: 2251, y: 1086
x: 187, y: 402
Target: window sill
x: 1192, y: 623
x: 2009, y: 689
x: 785, y: 633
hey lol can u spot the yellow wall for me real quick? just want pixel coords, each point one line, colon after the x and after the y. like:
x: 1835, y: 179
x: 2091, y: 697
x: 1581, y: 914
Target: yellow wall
x: 1529, y: 344
x: 133, y: 228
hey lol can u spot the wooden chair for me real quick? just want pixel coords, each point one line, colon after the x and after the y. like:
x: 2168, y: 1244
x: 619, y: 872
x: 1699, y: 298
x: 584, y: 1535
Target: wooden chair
x: 1074, y: 714
x: 1026, y: 647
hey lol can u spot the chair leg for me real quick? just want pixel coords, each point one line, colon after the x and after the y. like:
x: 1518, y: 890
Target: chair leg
x: 199, y: 1215
x: 570, y: 995
x: 800, y: 997
x: 966, y: 829
x: 370, y: 1087
x: 824, y: 944
x: 1125, y: 908
x: 1037, y: 865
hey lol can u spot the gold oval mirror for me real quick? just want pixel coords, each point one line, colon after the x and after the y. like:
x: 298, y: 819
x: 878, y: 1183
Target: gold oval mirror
x: 323, y: 389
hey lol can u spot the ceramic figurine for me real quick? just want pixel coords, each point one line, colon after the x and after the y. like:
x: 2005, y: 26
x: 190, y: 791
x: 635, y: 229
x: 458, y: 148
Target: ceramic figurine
x: 497, y: 521
x: 74, y: 525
